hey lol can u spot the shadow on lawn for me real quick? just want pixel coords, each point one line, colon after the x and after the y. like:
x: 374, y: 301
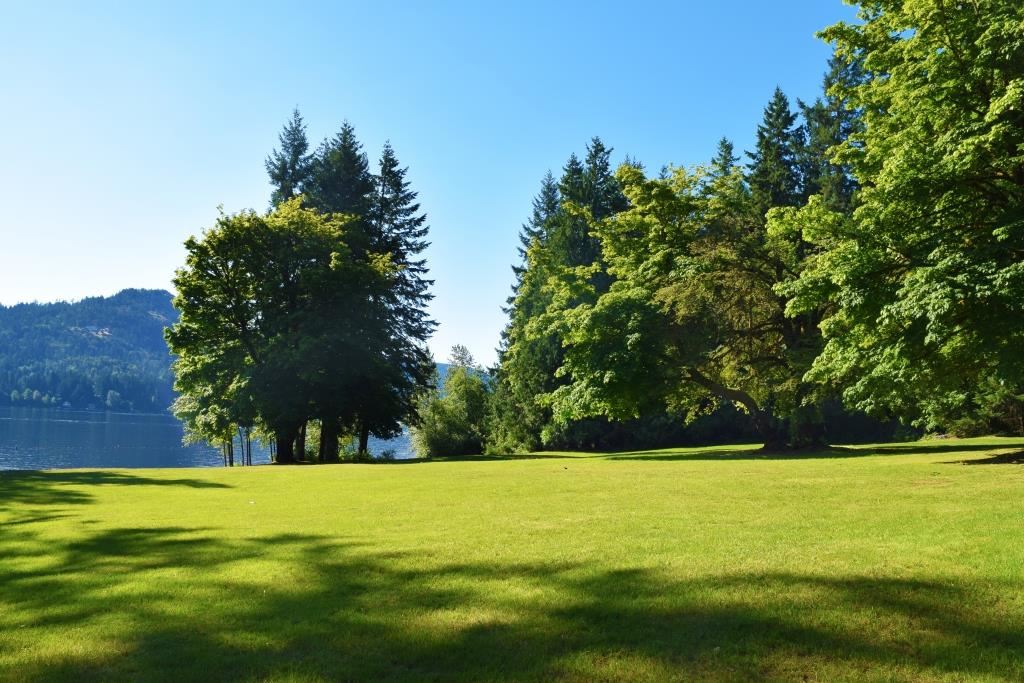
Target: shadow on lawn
x: 339, y: 609
x: 832, y: 452
x: 31, y: 487
x: 1015, y: 458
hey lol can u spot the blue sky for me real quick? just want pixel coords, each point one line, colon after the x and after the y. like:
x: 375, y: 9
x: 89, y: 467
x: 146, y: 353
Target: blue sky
x: 125, y: 125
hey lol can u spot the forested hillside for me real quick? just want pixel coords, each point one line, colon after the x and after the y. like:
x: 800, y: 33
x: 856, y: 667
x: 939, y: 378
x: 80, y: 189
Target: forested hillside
x: 100, y: 353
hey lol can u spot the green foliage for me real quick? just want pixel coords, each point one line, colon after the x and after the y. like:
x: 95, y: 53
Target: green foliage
x: 308, y: 323
x: 557, y: 238
x: 693, y: 316
x: 924, y: 283
x: 453, y: 420
x: 262, y: 298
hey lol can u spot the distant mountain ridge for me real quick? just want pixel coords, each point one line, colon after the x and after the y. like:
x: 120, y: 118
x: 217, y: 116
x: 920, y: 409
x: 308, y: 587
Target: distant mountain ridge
x: 98, y: 353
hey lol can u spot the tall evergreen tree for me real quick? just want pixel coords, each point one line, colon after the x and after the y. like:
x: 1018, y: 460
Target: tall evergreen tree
x: 561, y: 246
x: 602, y: 194
x: 515, y: 420
x: 545, y: 208
x: 398, y: 228
x: 774, y: 173
x: 724, y: 161
x: 289, y: 167
x: 828, y: 122
x: 340, y: 179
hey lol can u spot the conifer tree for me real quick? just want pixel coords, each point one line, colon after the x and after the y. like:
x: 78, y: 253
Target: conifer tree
x: 340, y: 179
x: 396, y: 227
x: 559, y: 242
x: 828, y: 122
x: 545, y: 207
x: 289, y: 167
x: 774, y: 174
x: 724, y: 160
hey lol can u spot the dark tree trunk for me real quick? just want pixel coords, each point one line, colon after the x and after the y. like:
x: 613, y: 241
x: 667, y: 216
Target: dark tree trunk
x: 328, y: 440
x: 364, y: 440
x: 284, y: 437
x: 771, y: 430
x: 300, y: 443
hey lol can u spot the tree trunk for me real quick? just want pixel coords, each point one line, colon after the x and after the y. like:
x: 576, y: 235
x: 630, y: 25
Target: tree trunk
x: 328, y: 440
x: 285, y: 439
x: 364, y: 441
x: 300, y: 443
x: 771, y: 431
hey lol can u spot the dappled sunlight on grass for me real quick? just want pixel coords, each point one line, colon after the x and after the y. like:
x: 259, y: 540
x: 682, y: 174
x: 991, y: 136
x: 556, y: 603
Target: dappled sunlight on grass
x: 572, y: 569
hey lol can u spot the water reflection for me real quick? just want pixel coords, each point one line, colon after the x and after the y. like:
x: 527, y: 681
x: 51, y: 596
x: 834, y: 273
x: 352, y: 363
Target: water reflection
x: 40, y: 438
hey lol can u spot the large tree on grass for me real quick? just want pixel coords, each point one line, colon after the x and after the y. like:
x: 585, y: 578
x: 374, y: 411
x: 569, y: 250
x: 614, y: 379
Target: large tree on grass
x: 257, y: 297
x: 557, y: 237
x: 692, y: 317
x: 925, y: 279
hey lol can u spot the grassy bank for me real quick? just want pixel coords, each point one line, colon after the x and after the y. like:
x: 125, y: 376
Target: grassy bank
x: 895, y: 562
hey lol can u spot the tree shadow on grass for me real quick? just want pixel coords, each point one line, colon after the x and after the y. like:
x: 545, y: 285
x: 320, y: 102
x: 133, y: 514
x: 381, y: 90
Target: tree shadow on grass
x: 57, y: 487
x: 1015, y: 458
x: 832, y: 452
x: 184, y: 604
x: 927, y: 447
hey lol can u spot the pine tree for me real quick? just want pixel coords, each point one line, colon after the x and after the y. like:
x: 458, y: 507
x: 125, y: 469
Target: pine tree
x: 289, y: 168
x: 774, y: 174
x: 545, y: 208
x: 340, y: 180
x: 561, y: 240
x: 603, y: 196
x: 395, y: 226
x: 725, y: 159
x: 828, y: 122
x: 400, y: 229
x: 571, y: 184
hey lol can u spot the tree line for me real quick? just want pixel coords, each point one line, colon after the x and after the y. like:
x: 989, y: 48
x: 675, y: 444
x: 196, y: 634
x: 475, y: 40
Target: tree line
x: 861, y: 265
x: 307, y: 322
x: 867, y: 252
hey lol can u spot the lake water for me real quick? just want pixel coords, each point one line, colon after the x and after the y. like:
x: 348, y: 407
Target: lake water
x: 39, y: 438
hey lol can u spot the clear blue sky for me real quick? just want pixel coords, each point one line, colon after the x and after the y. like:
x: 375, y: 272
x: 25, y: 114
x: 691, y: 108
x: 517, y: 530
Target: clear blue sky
x: 125, y: 126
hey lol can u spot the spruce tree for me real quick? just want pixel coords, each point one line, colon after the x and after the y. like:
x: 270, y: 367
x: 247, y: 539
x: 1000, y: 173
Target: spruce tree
x: 603, y: 196
x: 340, y: 180
x: 828, y: 122
x: 289, y: 167
x: 397, y: 227
x: 774, y: 174
x: 545, y: 208
x: 724, y: 160
x: 515, y: 420
x: 560, y: 241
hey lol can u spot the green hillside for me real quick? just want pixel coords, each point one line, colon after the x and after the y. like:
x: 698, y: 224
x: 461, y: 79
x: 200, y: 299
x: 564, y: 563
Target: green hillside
x: 97, y: 353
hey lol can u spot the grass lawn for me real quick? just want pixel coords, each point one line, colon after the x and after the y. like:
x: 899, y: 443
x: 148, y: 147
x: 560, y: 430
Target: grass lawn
x: 896, y: 562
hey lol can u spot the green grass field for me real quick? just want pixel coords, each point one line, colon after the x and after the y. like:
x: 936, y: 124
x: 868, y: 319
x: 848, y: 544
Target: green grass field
x: 898, y: 562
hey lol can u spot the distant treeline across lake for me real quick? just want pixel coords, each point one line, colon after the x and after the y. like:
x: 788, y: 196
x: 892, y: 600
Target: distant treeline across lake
x: 41, y: 438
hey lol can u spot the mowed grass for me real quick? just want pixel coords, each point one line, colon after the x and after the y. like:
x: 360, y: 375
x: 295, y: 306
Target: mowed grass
x: 876, y: 563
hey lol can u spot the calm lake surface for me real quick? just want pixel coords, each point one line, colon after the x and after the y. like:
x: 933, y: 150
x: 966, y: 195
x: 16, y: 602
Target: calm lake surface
x: 40, y: 438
